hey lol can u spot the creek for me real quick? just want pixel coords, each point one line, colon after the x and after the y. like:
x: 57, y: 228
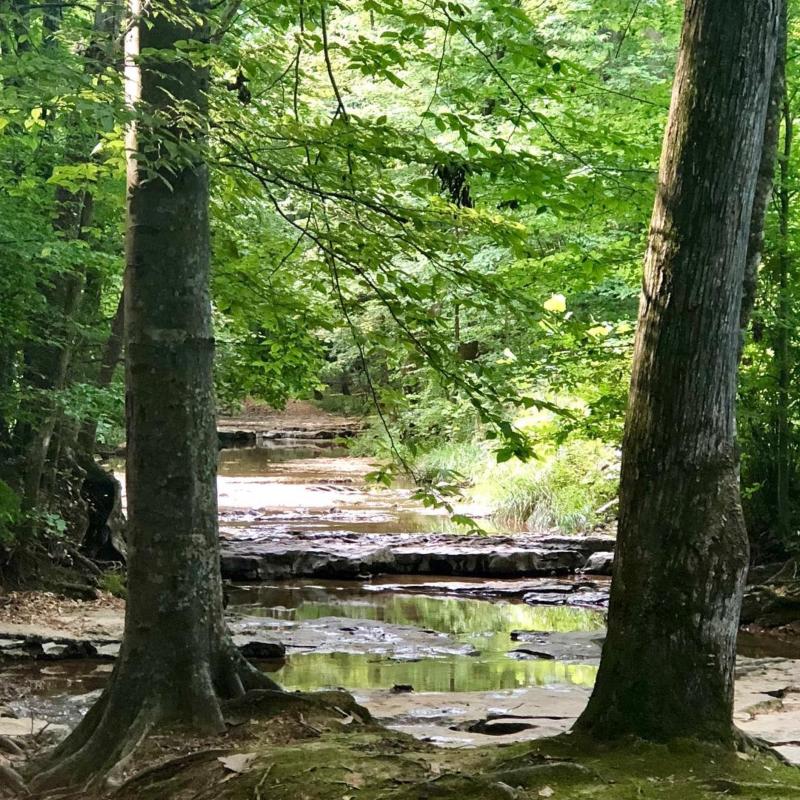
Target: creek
x: 445, y: 657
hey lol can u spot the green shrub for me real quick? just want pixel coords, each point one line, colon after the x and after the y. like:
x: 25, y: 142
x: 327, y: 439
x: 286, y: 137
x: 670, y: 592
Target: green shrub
x: 114, y: 583
x: 454, y: 462
x: 10, y: 511
x: 563, y: 491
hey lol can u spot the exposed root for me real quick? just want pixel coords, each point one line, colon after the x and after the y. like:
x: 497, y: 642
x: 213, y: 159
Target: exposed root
x: 8, y: 745
x: 266, y: 703
x: 98, y: 748
x: 166, y: 769
x: 11, y: 781
x: 746, y: 743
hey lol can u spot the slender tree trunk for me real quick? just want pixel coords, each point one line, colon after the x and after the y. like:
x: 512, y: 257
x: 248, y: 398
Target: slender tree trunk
x: 112, y: 353
x: 766, y: 175
x: 177, y: 660
x: 682, y: 550
x: 783, y: 466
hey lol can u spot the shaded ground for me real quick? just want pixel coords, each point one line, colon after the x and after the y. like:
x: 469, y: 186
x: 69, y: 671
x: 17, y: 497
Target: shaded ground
x: 301, y: 754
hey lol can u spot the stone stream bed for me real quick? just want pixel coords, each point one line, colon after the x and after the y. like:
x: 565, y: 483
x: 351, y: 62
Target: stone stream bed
x: 460, y: 640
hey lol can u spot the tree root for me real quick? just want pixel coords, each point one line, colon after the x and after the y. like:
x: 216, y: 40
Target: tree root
x: 266, y: 703
x: 749, y: 744
x: 11, y: 779
x: 134, y: 703
x: 8, y: 745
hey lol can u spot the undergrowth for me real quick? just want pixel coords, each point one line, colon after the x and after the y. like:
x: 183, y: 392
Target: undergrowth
x: 568, y: 489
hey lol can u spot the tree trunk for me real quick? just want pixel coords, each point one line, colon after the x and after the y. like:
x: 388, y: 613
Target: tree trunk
x: 682, y: 550
x: 783, y: 466
x: 766, y: 175
x: 112, y: 353
x: 177, y: 660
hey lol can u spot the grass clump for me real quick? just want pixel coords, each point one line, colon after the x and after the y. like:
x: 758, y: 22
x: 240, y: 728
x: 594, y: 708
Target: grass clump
x: 565, y: 490
x: 114, y: 582
x: 569, y: 489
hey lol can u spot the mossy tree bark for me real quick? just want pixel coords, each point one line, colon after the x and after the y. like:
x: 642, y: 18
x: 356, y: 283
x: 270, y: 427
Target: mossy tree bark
x: 682, y: 549
x: 177, y: 661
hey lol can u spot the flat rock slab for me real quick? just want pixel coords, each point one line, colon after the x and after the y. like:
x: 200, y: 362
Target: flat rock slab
x: 558, y: 592
x: 355, y: 636
x: 10, y: 726
x: 468, y: 719
x: 571, y: 647
x: 283, y: 555
x: 62, y: 648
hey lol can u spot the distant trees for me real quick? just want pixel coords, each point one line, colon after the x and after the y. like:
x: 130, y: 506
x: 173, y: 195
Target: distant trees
x: 682, y: 549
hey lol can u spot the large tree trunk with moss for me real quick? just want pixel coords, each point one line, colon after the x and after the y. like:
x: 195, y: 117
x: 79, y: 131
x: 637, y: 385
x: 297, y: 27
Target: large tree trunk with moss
x: 682, y: 550
x: 177, y: 661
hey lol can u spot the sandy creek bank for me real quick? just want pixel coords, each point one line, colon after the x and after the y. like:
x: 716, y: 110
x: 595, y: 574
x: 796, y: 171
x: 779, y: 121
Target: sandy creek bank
x: 457, y: 640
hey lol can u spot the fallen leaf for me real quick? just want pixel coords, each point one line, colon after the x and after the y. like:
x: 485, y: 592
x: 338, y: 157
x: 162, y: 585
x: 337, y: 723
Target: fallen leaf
x: 240, y: 762
x: 546, y: 791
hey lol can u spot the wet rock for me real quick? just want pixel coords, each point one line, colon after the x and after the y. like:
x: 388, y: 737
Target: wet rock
x: 576, y: 646
x: 544, y: 599
x: 600, y: 563
x: 588, y: 599
x: 108, y: 651
x: 57, y: 651
x: 579, y: 597
x: 258, y: 649
x: 527, y: 652
x: 324, y: 635
x: 234, y: 438
x: 499, y: 727
x: 277, y: 555
x: 402, y: 688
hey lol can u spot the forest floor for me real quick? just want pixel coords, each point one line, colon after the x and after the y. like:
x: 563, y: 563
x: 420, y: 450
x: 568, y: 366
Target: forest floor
x: 302, y: 753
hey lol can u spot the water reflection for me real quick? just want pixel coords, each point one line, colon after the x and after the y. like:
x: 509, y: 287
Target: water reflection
x: 487, y: 672
x: 484, y: 625
x: 253, y: 461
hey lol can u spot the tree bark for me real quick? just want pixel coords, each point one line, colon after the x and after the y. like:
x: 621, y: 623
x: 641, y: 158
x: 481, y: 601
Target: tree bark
x: 177, y: 661
x: 112, y: 354
x: 783, y: 464
x: 766, y: 174
x: 682, y: 550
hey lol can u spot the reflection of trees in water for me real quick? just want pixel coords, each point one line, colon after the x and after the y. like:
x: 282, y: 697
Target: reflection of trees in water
x: 458, y: 616
x: 456, y: 674
x: 484, y: 625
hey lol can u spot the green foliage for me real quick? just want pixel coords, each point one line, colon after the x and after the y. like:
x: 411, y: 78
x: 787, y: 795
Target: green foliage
x: 434, y: 212
x: 570, y: 488
x: 10, y: 513
x: 115, y: 583
x: 566, y: 491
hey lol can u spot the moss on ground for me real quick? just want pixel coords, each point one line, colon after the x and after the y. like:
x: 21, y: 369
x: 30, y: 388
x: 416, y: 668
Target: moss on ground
x: 303, y: 753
